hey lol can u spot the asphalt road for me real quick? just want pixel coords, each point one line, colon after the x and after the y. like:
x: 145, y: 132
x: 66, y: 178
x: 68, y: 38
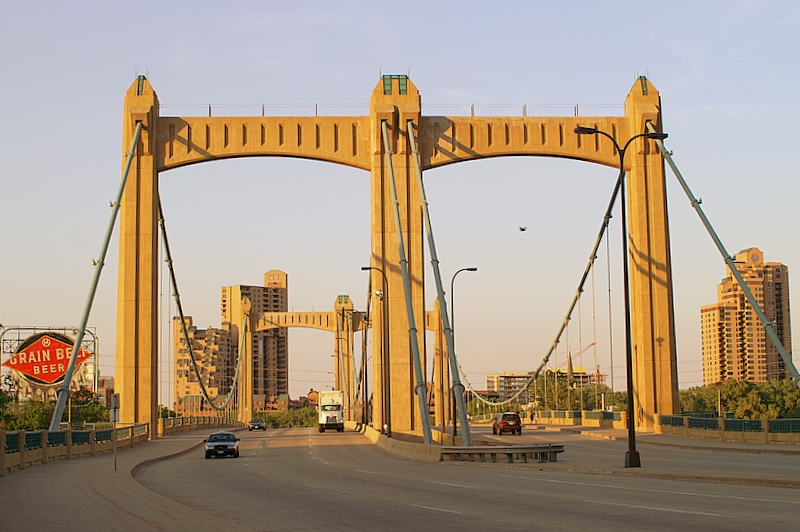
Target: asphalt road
x: 299, y: 479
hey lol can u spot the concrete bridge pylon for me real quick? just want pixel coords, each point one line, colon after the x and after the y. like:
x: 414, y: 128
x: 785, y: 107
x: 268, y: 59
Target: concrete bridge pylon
x: 355, y: 141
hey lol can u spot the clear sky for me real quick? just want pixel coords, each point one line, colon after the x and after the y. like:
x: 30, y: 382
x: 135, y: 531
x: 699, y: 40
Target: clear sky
x: 727, y: 72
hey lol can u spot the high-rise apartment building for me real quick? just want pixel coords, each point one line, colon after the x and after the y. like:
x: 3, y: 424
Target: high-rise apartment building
x: 735, y: 344
x: 270, y: 348
x: 213, y: 357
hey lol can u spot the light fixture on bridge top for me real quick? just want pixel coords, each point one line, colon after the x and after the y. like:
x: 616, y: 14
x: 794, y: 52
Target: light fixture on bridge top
x: 581, y: 130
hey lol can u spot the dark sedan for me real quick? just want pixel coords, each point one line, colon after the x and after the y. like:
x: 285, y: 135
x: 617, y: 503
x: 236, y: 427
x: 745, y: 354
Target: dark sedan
x: 258, y: 424
x: 222, y: 444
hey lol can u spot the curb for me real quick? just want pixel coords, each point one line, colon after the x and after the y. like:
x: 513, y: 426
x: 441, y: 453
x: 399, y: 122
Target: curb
x: 141, y: 465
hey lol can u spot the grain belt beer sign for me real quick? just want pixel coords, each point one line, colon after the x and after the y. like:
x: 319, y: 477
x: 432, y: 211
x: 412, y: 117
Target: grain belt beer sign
x: 43, y: 358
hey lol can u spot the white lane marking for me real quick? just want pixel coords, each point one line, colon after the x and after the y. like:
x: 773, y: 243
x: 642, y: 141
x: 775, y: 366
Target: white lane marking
x: 364, y: 471
x: 673, y: 492
x: 673, y: 510
x: 436, y: 509
x: 453, y: 485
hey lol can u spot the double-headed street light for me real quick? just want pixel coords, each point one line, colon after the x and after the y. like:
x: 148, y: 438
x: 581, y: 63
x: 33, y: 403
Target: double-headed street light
x: 453, y: 329
x: 386, y: 408
x: 632, y: 455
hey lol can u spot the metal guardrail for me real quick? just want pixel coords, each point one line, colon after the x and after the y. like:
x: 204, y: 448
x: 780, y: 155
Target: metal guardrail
x: 704, y: 423
x: 55, y: 439
x: 745, y: 425
x: 12, y: 442
x: 784, y: 425
x: 33, y: 440
x: 543, y: 452
x: 672, y: 421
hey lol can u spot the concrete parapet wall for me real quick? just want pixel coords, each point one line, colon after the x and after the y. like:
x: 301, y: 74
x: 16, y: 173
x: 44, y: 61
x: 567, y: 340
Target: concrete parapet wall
x: 170, y: 426
x: 418, y: 452
x: 26, y: 458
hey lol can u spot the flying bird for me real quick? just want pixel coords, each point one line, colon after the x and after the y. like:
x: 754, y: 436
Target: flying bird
x: 523, y: 228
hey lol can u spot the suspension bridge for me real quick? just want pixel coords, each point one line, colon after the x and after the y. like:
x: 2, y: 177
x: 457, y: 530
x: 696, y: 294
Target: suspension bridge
x: 396, y: 143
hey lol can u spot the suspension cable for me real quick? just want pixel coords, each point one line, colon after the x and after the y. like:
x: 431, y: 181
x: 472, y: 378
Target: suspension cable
x: 176, y: 295
x: 730, y: 262
x: 565, y: 322
x: 610, y: 322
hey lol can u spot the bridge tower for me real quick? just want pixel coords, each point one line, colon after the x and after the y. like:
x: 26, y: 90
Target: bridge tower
x: 172, y: 142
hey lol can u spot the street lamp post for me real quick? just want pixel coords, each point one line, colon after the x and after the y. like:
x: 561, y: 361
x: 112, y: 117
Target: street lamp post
x: 386, y: 407
x: 631, y: 455
x: 453, y: 328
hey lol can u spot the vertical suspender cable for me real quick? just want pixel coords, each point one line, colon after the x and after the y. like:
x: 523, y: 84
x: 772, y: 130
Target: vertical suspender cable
x: 412, y: 328
x: 458, y: 387
x: 63, y: 391
x: 589, y: 265
x: 185, y: 331
x: 729, y: 261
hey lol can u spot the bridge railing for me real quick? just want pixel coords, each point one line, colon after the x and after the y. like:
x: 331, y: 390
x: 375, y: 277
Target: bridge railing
x: 23, y: 449
x: 175, y: 425
x: 591, y: 418
x: 702, y: 425
x: 705, y: 426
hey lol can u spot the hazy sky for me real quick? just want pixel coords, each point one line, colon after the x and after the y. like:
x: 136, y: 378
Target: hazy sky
x: 727, y: 72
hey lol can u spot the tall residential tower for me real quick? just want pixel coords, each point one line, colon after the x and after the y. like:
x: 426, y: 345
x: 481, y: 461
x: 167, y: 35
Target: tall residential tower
x: 735, y: 344
x: 270, y: 348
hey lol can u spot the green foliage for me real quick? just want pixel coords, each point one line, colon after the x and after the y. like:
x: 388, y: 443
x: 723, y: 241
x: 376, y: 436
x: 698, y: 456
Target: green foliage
x: 90, y: 413
x: 32, y: 416
x: 165, y: 412
x: 283, y: 419
x: 746, y: 399
x: 573, y: 397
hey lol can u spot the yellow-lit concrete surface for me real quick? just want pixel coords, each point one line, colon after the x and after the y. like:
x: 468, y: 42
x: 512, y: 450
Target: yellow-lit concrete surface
x: 172, y: 142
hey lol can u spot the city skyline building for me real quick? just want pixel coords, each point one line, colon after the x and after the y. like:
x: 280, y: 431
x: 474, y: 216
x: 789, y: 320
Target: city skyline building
x: 212, y: 355
x: 216, y: 349
x: 734, y: 342
x: 270, y: 348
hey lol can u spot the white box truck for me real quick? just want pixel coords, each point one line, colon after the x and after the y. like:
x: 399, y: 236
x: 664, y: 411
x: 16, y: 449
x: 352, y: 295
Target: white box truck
x: 330, y: 410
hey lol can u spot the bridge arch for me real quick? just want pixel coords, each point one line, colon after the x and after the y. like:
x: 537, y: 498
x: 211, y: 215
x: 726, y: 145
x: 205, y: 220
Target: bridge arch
x: 172, y: 142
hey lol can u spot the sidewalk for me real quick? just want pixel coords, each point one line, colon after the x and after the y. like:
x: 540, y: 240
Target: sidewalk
x: 88, y: 491
x: 675, y: 457
x: 649, y: 438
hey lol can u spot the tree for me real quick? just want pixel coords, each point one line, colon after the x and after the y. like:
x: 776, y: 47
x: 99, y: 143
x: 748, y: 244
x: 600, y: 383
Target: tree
x: 746, y: 399
x: 163, y: 411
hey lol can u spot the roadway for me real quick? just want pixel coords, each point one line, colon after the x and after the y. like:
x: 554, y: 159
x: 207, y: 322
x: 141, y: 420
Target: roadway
x: 299, y: 479
x: 684, y: 458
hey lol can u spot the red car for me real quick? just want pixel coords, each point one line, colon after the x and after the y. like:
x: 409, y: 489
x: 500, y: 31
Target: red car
x: 507, y: 422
